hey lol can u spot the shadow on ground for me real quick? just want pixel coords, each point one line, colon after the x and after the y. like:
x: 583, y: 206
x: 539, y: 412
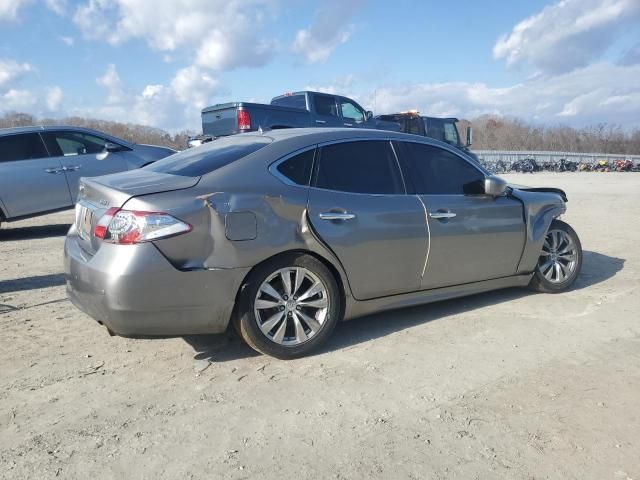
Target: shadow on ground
x: 596, y: 268
x: 31, y: 283
x: 35, y: 231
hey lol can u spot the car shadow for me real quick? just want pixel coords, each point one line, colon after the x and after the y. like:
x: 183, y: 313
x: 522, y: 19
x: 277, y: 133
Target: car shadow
x: 596, y: 268
x: 35, y: 231
x: 31, y: 283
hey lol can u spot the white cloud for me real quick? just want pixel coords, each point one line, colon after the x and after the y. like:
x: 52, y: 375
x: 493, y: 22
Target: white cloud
x: 175, y: 106
x: 224, y: 33
x: 59, y: 7
x: 17, y: 100
x: 68, y: 41
x: 53, y: 98
x: 9, y: 9
x: 330, y: 29
x: 111, y: 81
x: 10, y: 71
x: 598, y: 93
x: 568, y: 34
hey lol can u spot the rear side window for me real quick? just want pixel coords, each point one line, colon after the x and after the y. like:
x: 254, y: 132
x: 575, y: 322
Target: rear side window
x: 291, y: 101
x: 210, y: 156
x: 359, y: 167
x: 435, y: 171
x: 23, y: 146
x: 325, y: 105
x: 298, y: 168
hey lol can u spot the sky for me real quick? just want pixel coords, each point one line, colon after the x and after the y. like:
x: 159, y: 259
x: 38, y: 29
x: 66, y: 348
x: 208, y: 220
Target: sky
x: 159, y: 62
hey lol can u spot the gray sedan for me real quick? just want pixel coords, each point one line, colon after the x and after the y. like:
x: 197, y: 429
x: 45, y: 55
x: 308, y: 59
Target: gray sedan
x: 286, y: 233
x: 40, y: 167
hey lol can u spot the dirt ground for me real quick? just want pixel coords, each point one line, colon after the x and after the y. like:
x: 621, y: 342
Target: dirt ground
x: 508, y: 384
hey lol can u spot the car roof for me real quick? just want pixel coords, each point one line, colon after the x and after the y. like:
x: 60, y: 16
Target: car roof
x: 48, y: 128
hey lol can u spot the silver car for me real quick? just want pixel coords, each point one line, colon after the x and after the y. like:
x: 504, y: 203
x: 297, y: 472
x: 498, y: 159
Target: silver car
x: 40, y: 167
x: 286, y: 233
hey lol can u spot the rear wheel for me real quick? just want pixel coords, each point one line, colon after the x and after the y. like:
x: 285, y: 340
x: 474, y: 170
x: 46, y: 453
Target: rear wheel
x: 560, y: 260
x: 289, y: 306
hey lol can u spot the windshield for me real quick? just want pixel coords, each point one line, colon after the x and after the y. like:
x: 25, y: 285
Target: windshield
x: 210, y: 156
x: 442, y: 129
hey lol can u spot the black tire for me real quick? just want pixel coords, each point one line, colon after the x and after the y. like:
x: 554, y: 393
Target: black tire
x: 539, y: 282
x: 246, y: 322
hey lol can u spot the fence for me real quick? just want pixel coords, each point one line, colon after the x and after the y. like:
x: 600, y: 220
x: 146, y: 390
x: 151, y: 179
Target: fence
x: 492, y: 156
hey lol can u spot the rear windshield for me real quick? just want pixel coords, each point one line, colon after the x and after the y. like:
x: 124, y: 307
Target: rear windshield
x: 293, y: 101
x: 210, y: 156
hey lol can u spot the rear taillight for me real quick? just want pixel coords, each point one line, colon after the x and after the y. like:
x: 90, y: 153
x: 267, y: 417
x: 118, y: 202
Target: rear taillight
x: 127, y: 227
x: 244, y: 120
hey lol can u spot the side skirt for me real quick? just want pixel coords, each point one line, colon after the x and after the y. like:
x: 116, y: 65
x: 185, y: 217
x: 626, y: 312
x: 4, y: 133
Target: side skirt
x: 357, y: 308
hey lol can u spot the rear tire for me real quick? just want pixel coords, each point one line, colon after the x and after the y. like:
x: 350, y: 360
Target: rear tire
x: 560, y: 261
x: 289, y: 306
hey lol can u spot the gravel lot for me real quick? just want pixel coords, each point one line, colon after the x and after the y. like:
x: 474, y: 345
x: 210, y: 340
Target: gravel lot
x: 508, y: 384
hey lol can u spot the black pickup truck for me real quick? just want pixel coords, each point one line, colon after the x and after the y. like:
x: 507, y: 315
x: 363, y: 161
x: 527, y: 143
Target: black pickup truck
x: 443, y: 129
x: 292, y: 110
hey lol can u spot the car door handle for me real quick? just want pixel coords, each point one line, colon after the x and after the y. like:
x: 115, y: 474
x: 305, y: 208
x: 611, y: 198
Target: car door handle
x: 348, y: 124
x: 55, y: 171
x: 71, y: 168
x: 440, y: 215
x: 337, y: 216
x: 321, y: 121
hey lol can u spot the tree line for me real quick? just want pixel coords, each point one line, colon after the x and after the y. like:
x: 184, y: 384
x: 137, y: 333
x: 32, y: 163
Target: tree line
x: 490, y: 133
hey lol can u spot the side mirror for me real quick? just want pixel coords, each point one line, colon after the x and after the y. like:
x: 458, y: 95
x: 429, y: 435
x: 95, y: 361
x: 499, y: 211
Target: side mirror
x: 469, y: 136
x: 112, y: 147
x: 494, y: 186
x: 369, y: 115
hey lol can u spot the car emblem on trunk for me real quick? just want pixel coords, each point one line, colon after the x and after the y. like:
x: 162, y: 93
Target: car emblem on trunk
x: 104, y: 202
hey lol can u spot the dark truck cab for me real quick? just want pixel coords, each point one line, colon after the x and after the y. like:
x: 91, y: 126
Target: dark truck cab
x: 443, y: 129
x: 292, y: 110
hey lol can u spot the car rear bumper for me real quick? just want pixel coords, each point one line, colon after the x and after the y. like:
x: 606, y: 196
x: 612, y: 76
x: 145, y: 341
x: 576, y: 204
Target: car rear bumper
x: 133, y: 290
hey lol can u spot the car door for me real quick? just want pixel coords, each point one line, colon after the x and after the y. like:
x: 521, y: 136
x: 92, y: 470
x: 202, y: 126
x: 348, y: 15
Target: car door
x: 326, y: 111
x: 83, y: 155
x: 358, y: 207
x: 472, y: 236
x: 352, y: 114
x: 30, y: 181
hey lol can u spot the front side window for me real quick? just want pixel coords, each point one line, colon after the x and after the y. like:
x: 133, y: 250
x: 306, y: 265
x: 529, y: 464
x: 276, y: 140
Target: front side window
x: 298, y: 168
x: 325, y: 105
x: 435, y: 171
x: 74, y: 143
x: 23, y: 146
x: 359, y: 167
x: 351, y: 112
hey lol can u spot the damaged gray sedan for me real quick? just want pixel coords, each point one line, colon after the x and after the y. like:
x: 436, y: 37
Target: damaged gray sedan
x: 286, y: 233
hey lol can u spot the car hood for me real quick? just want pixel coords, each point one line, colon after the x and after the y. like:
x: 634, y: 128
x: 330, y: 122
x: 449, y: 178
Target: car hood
x: 558, y: 191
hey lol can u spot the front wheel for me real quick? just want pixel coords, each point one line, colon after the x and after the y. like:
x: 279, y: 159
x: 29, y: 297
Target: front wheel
x: 560, y: 260
x: 289, y: 306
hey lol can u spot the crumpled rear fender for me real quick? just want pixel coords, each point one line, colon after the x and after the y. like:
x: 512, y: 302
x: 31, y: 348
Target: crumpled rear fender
x: 540, y: 209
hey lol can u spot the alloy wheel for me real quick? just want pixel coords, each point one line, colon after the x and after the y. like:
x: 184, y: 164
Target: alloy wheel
x: 559, y: 257
x: 291, y: 306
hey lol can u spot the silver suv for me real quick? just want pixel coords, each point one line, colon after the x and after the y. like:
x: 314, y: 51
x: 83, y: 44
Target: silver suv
x: 40, y: 167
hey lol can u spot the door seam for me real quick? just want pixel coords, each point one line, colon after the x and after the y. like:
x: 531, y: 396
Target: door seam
x: 426, y: 218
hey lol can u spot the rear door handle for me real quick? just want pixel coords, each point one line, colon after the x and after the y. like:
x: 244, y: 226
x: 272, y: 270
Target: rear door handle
x: 55, y: 171
x: 348, y: 124
x: 337, y: 216
x: 321, y: 121
x: 439, y: 215
x: 71, y: 168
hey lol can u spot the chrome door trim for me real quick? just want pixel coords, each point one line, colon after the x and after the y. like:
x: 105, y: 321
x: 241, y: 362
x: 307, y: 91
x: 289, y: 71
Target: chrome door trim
x: 336, y: 216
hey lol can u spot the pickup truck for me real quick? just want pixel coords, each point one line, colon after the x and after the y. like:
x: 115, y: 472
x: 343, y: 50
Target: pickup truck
x: 292, y: 110
x: 443, y: 129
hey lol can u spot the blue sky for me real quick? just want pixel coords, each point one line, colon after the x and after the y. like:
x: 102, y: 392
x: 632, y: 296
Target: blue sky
x: 574, y: 62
